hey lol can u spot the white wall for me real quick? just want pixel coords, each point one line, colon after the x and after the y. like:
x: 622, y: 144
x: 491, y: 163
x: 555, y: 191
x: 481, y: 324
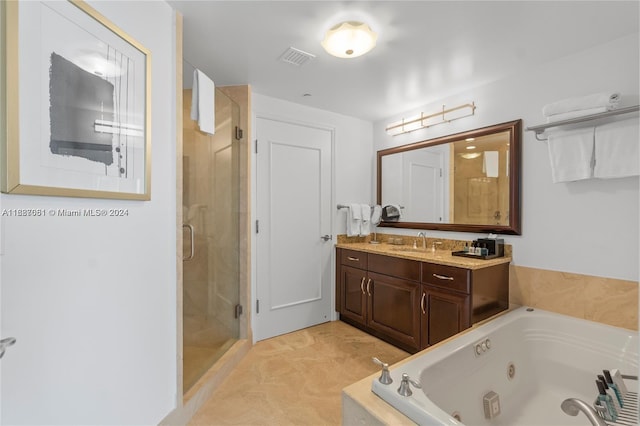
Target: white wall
x: 92, y: 301
x: 588, y: 227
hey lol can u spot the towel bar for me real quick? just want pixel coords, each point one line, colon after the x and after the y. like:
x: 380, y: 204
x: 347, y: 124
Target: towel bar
x: 540, y: 129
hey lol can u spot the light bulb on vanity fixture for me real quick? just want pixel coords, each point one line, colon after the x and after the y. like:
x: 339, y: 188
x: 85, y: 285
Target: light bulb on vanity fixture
x: 349, y: 39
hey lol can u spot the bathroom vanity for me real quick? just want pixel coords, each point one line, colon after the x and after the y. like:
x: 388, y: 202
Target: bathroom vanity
x: 414, y: 298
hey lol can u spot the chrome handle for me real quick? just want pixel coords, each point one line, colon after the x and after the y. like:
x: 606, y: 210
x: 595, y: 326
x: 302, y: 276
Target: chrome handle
x: 443, y: 277
x: 422, y: 303
x: 362, y: 284
x: 326, y: 237
x: 368, y: 289
x: 385, y: 376
x: 193, y: 243
x: 5, y: 343
x: 405, y: 389
x: 353, y: 259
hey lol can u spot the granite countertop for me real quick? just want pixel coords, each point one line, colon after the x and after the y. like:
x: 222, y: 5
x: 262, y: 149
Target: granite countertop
x: 441, y: 256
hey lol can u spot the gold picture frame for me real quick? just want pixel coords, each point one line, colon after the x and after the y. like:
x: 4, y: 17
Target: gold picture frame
x: 75, y: 110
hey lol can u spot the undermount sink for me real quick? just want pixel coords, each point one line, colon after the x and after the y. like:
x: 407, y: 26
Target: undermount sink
x: 409, y: 249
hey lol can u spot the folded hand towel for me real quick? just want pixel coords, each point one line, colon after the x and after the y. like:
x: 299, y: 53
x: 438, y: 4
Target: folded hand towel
x: 365, y: 226
x: 491, y: 163
x: 203, y: 102
x: 605, y: 99
x: 571, y: 154
x: 617, y: 152
x: 575, y: 114
x: 376, y: 215
x: 354, y: 220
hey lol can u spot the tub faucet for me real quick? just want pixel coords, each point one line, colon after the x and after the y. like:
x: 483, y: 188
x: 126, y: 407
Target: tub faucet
x: 405, y: 385
x: 572, y: 406
x: 424, y: 239
x: 385, y: 377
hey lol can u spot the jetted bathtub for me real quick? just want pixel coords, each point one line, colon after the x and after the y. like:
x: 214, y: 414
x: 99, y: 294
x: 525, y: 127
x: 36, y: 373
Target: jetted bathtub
x: 531, y: 359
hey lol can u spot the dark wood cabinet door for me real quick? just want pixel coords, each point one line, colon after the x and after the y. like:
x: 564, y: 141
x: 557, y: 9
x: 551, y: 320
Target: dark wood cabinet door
x: 443, y: 314
x: 354, y: 297
x: 394, y: 308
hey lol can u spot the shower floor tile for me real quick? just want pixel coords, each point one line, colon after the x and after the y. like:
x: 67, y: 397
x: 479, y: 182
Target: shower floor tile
x: 296, y: 379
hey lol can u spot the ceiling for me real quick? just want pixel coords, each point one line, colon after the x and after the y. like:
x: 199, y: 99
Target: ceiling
x: 426, y: 50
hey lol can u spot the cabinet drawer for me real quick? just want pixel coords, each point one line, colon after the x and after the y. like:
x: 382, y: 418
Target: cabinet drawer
x: 395, y: 267
x: 448, y: 277
x: 353, y: 258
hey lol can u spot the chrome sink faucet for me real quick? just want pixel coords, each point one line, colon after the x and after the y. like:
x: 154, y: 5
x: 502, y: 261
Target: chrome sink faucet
x: 424, y: 239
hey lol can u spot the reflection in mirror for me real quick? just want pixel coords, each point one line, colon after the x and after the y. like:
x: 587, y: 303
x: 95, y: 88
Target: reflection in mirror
x: 464, y: 182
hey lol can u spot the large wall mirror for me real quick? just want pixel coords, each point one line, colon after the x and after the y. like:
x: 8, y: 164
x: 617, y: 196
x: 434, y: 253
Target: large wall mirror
x: 467, y: 182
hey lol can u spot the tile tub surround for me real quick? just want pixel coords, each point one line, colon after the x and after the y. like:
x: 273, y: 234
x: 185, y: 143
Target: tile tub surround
x: 605, y: 300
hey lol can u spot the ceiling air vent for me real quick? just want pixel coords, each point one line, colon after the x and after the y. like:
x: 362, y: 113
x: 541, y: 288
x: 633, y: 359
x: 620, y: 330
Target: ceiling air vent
x: 296, y: 57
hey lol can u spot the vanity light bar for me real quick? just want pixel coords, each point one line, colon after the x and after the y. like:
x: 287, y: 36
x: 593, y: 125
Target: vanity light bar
x: 411, y: 124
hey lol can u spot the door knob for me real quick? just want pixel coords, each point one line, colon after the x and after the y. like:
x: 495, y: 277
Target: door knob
x: 326, y: 237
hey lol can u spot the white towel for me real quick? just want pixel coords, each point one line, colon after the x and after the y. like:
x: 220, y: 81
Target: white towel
x: 575, y: 114
x: 365, y: 226
x: 376, y: 215
x: 203, y: 102
x: 617, y: 152
x: 491, y: 163
x: 605, y: 99
x: 354, y: 220
x: 571, y: 154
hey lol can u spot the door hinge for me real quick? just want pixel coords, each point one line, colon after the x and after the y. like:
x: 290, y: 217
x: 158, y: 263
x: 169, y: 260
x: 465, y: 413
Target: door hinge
x: 257, y: 226
x: 238, y: 133
x: 256, y: 146
x: 238, y: 311
x: 440, y: 172
x: 257, y: 306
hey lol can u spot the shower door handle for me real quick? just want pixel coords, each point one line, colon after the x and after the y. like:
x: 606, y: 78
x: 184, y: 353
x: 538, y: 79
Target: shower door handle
x: 193, y: 243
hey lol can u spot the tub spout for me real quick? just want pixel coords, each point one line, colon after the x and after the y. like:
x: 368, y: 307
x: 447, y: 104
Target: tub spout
x: 572, y: 406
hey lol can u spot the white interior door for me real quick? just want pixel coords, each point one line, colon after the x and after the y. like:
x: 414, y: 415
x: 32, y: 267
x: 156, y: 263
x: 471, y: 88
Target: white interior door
x: 293, y: 277
x: 423, y: 189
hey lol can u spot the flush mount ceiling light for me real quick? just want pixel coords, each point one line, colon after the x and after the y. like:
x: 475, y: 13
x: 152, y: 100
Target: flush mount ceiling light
x: 349, y: 39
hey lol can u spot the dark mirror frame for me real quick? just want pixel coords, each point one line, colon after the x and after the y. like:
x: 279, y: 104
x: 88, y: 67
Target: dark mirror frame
x: 515, y: 149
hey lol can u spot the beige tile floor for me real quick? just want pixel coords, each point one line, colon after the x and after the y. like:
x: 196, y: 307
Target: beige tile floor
x: 296, y: 379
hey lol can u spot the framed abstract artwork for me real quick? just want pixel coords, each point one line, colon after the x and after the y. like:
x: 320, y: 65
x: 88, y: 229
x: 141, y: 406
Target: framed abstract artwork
x: 76, y: 110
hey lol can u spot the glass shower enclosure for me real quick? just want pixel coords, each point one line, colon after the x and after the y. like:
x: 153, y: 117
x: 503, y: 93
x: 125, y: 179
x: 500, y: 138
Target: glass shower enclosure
x: 211, y: 181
